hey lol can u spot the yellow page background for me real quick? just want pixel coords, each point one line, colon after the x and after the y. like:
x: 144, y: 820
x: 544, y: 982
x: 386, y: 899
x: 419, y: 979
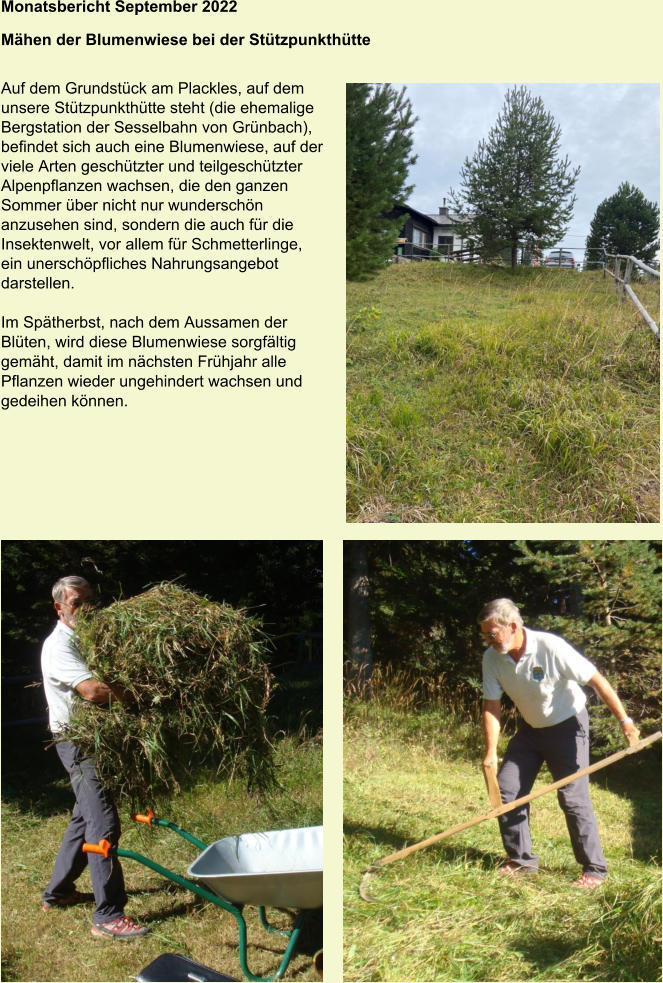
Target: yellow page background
x: 251, y: 464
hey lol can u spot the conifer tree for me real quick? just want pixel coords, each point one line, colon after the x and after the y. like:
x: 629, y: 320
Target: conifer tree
x: 605, y: 599
x: 627, y: 224
x: 516, y: 190
x: 379, y: 123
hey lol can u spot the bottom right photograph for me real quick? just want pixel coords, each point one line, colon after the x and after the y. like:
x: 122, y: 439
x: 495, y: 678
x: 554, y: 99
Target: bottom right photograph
x: 502, y: 760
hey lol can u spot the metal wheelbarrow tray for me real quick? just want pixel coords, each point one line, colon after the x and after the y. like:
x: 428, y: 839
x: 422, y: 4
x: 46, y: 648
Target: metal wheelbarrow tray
x: 277, y: 869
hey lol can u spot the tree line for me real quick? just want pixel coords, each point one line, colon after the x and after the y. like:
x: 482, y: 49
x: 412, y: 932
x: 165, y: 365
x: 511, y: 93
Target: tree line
x: 516, y: 191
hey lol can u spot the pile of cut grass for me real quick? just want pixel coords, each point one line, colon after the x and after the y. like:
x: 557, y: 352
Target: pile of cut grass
x: 475, y: 394
x: 196, y: 684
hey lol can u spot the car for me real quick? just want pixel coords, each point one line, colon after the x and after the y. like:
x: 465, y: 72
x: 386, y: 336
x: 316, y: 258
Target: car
x: 561, y: 258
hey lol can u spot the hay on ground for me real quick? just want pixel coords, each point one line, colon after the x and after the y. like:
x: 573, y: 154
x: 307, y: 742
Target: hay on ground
x: 197, y: 686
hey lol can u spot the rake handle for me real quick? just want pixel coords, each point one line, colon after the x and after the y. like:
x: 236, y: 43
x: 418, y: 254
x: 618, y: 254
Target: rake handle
x: 603, y: 763
x: 494, y: 794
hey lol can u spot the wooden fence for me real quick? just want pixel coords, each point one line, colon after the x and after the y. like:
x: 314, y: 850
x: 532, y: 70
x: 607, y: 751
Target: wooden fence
x: 407, y: 251
x: 631, y: 261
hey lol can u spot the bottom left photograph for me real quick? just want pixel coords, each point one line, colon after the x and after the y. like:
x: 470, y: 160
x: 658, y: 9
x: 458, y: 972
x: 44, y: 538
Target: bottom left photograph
x: 162, y: 760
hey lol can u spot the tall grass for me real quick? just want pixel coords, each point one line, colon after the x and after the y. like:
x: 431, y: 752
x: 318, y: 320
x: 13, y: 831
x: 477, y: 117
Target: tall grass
x: 476, y: 394
x: 412, y: 770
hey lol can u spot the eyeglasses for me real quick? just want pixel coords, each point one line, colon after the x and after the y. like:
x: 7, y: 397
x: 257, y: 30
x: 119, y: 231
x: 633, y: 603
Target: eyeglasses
x: 491, y: 635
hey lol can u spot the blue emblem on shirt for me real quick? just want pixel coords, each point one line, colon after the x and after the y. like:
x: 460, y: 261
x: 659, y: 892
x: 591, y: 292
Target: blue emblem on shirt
x: 538, y: 674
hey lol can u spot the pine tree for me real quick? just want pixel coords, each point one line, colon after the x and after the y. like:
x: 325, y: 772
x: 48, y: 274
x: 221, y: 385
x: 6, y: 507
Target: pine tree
x: 516, y: 190
x: 627, y: 224
x: 604, y: 598
x: 379, y: 125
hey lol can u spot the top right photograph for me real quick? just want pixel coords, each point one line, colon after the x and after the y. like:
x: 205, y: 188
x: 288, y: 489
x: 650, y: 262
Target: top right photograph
x: 502, y: 302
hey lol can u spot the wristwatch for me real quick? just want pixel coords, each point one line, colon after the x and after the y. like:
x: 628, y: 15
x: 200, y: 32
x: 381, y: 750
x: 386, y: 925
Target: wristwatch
x: 626, y: 720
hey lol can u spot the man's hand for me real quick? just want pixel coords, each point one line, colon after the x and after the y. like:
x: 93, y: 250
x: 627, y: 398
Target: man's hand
x: 99, y: 692
x: 490, y: 760
x: 630, y: 732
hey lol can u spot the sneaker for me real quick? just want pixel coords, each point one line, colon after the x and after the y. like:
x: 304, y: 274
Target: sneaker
x: 63, y: 902
x: 588, y: 882
x: 120, y: 928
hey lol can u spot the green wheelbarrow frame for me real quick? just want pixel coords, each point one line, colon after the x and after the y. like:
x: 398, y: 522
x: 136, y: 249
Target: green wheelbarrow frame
x: 105, y: 848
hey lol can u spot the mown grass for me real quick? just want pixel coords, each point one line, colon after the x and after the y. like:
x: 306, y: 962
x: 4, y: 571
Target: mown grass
x: 478, y: 395
x: 443, y: 913
x: 58, y: 945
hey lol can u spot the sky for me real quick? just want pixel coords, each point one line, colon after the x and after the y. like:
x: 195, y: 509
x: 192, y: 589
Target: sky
x: 610, y: 130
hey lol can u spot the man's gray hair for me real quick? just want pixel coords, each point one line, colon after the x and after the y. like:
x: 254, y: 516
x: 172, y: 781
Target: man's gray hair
x: 502, y: 610
x: 61, y: 586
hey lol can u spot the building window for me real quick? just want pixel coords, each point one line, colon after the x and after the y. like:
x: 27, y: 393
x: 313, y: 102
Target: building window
x: 445, y: 244
x: 418, y: 236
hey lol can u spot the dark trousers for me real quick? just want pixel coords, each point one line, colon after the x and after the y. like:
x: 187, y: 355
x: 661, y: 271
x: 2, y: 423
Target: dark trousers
x: 564, y: 748
x: 94, y: 818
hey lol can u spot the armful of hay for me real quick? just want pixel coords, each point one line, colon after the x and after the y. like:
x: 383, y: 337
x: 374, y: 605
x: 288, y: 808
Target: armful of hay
x: 189, y: 682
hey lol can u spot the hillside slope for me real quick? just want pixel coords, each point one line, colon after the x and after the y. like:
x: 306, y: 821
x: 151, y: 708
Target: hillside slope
x: 478, y: 395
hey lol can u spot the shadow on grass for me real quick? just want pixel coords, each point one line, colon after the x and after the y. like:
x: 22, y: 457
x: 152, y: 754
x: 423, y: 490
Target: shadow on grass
x: 378, y: 835
x: 638, y: 780
x: 545, y: 952
x: 159, y: 915
x: 449, y: 852
x: 546, y: 955
x: 10, y: 964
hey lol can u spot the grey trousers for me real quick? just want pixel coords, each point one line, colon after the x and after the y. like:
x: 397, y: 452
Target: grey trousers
x: 564, y: 748
x: 94, y: 818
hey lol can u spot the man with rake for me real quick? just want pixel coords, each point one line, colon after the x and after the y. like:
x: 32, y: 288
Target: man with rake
x: 544, y: 676
x: 95, y: 816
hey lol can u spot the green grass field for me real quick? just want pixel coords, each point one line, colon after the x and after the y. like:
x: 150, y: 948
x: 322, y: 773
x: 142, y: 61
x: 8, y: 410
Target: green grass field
x: 57, y: 945
x: 474, y: 394
x: 443, y: 913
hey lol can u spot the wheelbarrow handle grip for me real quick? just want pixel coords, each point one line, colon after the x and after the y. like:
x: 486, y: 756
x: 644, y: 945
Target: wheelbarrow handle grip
x: 103, y: 847
x: 147, y: 819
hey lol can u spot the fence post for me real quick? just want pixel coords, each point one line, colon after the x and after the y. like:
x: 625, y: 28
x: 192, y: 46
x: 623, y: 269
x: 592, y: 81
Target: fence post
x: 627, y: 278
x: 618, y: 269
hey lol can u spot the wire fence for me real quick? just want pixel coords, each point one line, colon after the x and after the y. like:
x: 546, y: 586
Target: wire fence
x: 528, y: 255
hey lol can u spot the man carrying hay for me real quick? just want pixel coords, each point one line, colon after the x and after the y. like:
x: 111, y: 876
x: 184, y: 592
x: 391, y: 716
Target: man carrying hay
x: 95, y: 816
x: 544, y: 677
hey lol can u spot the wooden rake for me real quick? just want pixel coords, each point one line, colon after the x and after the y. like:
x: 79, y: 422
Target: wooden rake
x: 500, y: 810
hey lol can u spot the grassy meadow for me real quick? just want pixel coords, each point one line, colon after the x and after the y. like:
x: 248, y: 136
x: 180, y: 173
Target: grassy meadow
x: 475, y: 394
x: 37, y: 802
x: 443, y: 913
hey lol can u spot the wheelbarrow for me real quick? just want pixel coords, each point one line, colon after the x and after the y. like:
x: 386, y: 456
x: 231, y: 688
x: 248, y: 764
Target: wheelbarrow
x: 278, y: 869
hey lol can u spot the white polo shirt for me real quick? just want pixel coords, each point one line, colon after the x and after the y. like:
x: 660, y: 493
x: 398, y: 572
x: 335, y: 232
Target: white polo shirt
x: 545, y: 683
x: 62, y: 669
